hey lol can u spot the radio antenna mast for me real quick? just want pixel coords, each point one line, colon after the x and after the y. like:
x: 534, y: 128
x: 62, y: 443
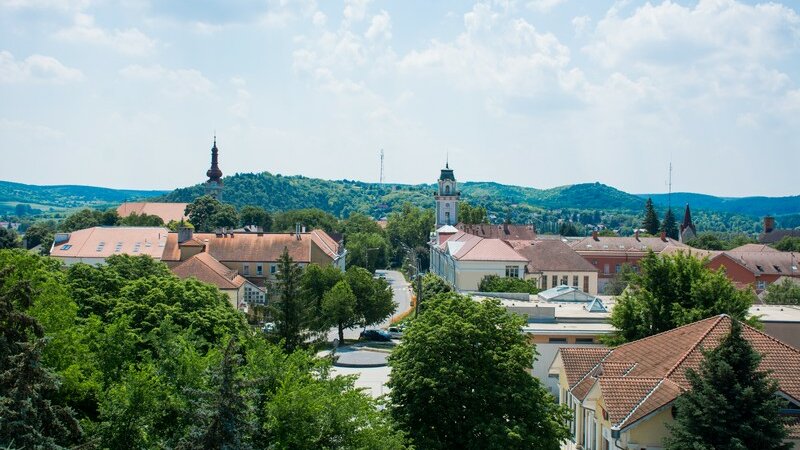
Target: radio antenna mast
x: 669, y: 195
x: 381, y: 180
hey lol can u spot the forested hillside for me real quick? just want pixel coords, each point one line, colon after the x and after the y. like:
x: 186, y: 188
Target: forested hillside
x: 756, y: 206
x: 68, y: 196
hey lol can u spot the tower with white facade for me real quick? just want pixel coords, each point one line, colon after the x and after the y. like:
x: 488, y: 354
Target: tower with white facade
x: 447, y: 198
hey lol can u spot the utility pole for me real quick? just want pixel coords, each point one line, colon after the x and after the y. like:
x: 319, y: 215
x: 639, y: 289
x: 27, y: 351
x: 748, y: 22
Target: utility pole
x: 669, y: 195
x: 381, y: 179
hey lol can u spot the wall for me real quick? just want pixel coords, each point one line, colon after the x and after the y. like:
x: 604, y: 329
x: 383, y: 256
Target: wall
x: 788, y: 332
x: 592, y: 279
x: 470, y: 273
x: 545, y: 357
x: 651, y: 432
x: 733, y: 270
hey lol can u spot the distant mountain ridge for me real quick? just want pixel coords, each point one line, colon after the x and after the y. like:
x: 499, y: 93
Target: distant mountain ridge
x: 340, y: 197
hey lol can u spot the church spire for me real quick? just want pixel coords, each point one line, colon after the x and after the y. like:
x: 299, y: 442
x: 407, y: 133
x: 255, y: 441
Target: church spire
x: 214, y: 174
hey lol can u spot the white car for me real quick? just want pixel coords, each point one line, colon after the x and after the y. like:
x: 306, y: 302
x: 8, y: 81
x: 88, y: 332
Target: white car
x: 395, y: 332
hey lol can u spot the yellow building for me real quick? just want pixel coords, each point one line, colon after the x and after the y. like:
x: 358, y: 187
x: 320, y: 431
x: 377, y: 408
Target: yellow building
x: 623, y: 398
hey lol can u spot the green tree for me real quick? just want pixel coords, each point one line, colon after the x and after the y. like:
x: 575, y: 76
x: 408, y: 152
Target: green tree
x: 141, y: 220
x: 671, y: 291
x: 40, y: 233
x: 669, y: 225
x: 787, y: 292
x: 410, y: 228
x: 9, y: 239
x: 225, y: 217
x: 311, y: 218
x: 292, y: 311
x: 202, y: 211
x: 29, y: 417
x: 568, y: 229
x: 255, y: 215
x: 360, y: 223
x: 483, y: 396
x: 471, y: 214
x: 617, y: 284
x: 374, y: 297
x: 788, y: 244
x: 494, y: 283
x: 432, y: 285
x: 368, y: 250
x: 314, y: 283
x: 650, y: 222
x: 731, y: 404
x: 339, y: 307
x: 707, y: 241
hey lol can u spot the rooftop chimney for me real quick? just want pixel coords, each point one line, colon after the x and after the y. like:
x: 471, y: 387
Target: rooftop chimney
x: 664, y: 236
x: 184, y: 234
x: 769, y: 224
x: 594, y: 235
x: 636, y: 234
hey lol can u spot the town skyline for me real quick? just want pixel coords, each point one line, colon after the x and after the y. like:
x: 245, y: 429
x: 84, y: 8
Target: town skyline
x: 538, y: 94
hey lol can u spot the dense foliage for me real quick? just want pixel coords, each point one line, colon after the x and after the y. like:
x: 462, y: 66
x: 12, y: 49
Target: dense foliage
x: 785, y: 292
x: 460, y: 380
x: 731, y: 404
x: 143, y: 359
x: 650, y: 222
x: 432, y: 285
x: 669, y: 225
x: 671, y: 291
x: 9, y: 238
x: 719, y: 241
x: 494, y: 283
x: 788, y: 244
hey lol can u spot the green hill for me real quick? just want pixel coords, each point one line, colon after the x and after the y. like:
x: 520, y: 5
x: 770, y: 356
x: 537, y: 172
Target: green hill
x: 68, y: 196
x: 754, y: 206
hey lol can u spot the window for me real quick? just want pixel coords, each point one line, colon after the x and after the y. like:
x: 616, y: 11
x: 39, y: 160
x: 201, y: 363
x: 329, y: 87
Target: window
x: 512, y: 271
x: 760, y: 269
x: 617, y: 268
x: 594, y: 262
x: 564, y: 280
x: 584, y: 340
x: 118, y: 247
x: 605, y: 269
x: 544, y: 283
x: 761, y: 285
x: 246, y: 269
x: 447, y: 189
x: 555, y: 280
x: 777, y: 269
x: 259, y: 269
x: 575, y: 280
x: 101, y: 246
x: 557, y: 340
x: 273, y: 268
x: 586, y: 283
x: 136, y: 247
x: 66, y: 246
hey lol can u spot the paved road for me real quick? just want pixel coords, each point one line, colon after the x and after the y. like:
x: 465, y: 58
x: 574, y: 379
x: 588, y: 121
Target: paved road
x: 402, y: 296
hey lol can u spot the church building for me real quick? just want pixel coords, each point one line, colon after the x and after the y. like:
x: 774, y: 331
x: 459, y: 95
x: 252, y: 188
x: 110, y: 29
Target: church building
x: 213, y: 186
x: 688, y: 231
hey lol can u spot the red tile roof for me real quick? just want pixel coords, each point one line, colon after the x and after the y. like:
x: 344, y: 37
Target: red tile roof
x: 208, y: 270
x: 466, y: 247
x: 616, y: 244
x: 657, y: 367
x: 505, y: 231
x: 167, y: 211
x: 766, y: 262
x: 102, y: 242
x: 552, y: 255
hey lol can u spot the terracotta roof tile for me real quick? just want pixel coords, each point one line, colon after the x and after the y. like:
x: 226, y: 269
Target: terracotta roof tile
x: 552, y: 255
x: 167, y: 211
x: 102, y: 242
x: 623, y: 394
x: 578, y: 361
x: 583, y: 387
x: 208, y: 270
x: 769, y: 263
x: 624, y: 244
x: 504, y: 231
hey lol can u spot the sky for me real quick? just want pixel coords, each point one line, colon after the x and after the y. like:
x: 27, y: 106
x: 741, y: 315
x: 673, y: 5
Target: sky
x: 541, y: 93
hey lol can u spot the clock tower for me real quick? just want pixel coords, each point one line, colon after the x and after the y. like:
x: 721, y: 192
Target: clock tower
x: 447, y: 196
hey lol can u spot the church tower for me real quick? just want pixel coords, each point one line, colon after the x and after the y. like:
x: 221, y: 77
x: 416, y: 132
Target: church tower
x: 688, y: 231
x: 214, y: 184
x: 447, y: 198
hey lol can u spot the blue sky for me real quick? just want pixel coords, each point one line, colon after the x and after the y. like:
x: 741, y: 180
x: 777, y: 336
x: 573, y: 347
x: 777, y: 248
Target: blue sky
x: 538, y: 93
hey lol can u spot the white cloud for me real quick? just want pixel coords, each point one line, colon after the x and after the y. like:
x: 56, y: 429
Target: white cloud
x: 174, y: 82
x: 59, y: 5
x: 241, y: 107
x: 544, y: 5
x: 380, y: 27
x: 355, y: 10
x: 319, y: 18
x: 30, y: 130
x: 580, y: 24
x: 36, y: 68
x: 129, y: 41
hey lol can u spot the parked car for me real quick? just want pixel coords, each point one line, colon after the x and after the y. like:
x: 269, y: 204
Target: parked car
x: 268, y: 327
x: 395, y: 332
x: 375, y: 335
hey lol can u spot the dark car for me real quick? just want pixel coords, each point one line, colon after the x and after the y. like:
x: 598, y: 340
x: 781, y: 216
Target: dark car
x: 375, y: 335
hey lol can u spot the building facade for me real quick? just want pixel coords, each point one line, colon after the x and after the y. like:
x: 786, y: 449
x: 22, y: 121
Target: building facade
x: 446, y: 198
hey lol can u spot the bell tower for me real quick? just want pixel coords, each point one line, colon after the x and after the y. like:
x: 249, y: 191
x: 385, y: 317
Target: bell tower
x: 214, y: 184
x: 446, y: 197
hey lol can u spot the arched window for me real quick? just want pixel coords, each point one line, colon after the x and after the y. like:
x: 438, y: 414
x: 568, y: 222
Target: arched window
x: 447, y: 189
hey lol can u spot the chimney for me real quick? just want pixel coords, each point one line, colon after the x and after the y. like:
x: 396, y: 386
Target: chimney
x: 664, y: 236
x: 636, y: 234
x: 769, y: 224
x: 594, y: 235
x: 297, y: 230
x: 184, y: 234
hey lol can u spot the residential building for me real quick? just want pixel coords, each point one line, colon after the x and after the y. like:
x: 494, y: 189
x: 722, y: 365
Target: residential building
x: 94, y: 245
x: 687, y: 230
x: 758, y: 268
x: 771, y: 235
x: 609, y: 253
x: 463, y: 260
x: 553, y: 263
x: 446, y: 197
x: 780, y: 321
x: 167, y: 211
x: 623, y: 398
x: 205, y: 268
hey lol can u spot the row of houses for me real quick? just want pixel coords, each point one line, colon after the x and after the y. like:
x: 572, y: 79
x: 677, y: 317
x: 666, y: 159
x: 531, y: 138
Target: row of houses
x: 240, y: 264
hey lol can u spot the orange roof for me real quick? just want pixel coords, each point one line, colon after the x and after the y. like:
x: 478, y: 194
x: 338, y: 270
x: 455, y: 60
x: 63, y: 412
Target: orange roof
x: 552, y: 254
x: 658, y: 365
x: 466, y: 247
x: 256, y: 247
x: 167, y: 211
x: 766, y: 262
x: 102, y: 242
x: 624, y: 244
x: 752, y: 248
x: 504, y: 231
x: 208, y: 270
